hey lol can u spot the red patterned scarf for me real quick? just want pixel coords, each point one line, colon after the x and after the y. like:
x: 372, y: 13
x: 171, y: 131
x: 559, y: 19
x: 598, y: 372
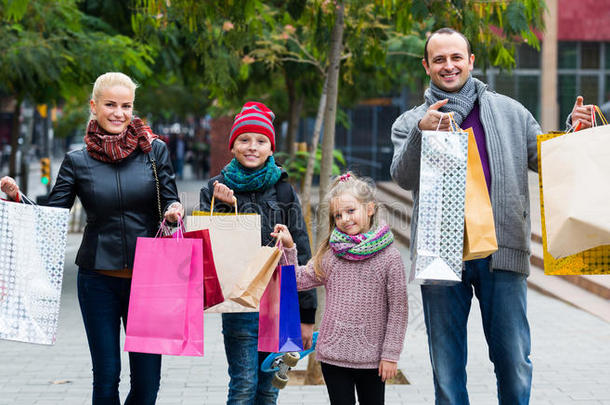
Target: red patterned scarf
x: 107, y: 147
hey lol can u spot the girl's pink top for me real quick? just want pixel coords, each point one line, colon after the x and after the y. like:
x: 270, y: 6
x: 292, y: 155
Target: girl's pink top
x: 365, y: 318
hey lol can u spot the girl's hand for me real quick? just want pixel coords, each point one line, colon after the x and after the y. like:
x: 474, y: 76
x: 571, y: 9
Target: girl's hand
x: 10, y: 187
x: 174, y: 212
x: 387, y: 370
x: 283, y: 235
x: 223, y: 193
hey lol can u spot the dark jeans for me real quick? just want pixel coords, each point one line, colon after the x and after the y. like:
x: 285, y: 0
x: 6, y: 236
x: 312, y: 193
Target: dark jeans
x: 248, y: 385
x: 340, y: 383
x: 503, y: 301
x: 103, y: 302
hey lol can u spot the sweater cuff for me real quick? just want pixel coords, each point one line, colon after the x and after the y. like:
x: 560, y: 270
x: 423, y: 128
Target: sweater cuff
x: 308, y: 315
x: 289, y: 256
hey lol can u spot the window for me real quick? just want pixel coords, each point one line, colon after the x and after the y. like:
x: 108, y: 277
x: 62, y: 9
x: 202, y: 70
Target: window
x: 528, y: 57
x: 567, y: 55
x: 567, y: 95
x: 589, y: 54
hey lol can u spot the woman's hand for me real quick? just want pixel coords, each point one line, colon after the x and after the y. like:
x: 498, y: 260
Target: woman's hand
x: 10, y: 187
x: 174, y: 212
x: 387, y: 370
x: 283, y: 235
x: 223, y: 193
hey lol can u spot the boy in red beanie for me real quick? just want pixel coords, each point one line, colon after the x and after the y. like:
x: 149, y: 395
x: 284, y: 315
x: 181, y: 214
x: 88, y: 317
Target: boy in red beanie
x: 260, y: 186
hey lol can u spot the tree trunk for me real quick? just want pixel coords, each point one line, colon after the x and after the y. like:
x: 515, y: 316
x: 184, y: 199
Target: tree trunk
x: 311, y: 162
x: 12, y: 168
x: 330, y: 116
x: 296, y: 106
x: 314, y: 373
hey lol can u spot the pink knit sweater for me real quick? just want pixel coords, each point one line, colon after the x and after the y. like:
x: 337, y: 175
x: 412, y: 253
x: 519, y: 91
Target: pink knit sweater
x: 365, y: 319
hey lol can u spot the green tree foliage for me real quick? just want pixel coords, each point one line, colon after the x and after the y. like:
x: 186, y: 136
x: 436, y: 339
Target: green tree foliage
x: 50, y: 50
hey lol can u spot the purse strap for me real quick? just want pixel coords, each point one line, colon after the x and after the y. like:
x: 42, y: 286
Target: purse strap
x: 154, y: 167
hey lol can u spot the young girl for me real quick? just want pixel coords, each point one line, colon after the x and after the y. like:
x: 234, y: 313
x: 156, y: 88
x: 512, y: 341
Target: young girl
x: 365, y: 319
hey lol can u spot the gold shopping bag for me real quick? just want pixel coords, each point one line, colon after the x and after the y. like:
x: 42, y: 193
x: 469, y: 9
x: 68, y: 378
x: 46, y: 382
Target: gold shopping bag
x: 479, y: 229
x: 590, y: 261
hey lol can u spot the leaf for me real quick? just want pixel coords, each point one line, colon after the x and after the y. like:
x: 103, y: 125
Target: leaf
x: 515, y: 16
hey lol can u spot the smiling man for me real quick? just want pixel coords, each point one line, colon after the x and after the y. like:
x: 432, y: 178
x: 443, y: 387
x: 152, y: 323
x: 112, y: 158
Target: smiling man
x: 505, y: 133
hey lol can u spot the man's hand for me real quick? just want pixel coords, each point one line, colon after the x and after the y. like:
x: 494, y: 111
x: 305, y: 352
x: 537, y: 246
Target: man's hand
x: 10, y: 187
x: 223, y: 193
x: 387, y: 370
x: 582, y: 113
x: 307, y: 334
x: 433, y: 117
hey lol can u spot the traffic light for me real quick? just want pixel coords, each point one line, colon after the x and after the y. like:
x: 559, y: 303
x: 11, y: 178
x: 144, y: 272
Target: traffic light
x: 45, y: 170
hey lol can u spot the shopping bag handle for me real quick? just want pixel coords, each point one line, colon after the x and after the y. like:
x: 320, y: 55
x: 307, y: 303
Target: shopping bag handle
x: 212, y: 205
x: 597, y: 110
x: 27, y: 199
x: 163, y: 229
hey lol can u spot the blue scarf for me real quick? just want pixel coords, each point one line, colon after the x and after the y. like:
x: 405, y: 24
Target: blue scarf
x: 239, y: 178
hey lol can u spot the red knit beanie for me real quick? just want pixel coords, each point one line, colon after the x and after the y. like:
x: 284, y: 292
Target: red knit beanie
x: 254, y: 117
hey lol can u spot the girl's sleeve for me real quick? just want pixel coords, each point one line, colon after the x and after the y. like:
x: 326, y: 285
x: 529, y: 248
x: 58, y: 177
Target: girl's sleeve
x: 398, y: 311
x: 306, y: 276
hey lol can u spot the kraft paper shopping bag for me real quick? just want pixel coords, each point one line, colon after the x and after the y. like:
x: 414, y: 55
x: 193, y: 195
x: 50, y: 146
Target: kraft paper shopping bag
x: 254, y: 279
x: 235, y: 239
x: 479, y: 229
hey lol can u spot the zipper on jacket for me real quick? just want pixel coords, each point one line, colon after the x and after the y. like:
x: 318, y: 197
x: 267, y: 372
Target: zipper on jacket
x: 118, y: 181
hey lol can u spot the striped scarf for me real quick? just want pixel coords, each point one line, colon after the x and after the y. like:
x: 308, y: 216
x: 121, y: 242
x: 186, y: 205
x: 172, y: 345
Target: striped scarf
x: 239, y: 178
x: 361, y: 246
x: 107, y: 147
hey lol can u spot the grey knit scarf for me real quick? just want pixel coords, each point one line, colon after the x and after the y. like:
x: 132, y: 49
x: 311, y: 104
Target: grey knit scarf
x: 460, y: 103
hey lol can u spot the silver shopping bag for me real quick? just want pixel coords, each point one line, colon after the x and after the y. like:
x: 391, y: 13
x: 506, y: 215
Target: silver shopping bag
x: 32, y: 251
x: 439, y: 241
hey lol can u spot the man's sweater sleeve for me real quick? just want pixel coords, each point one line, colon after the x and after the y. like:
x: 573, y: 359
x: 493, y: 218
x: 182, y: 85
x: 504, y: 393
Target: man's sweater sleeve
x: 406, y: 138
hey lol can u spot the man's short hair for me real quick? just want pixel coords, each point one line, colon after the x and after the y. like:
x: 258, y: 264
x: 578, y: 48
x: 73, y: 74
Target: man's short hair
x: 448, y: 31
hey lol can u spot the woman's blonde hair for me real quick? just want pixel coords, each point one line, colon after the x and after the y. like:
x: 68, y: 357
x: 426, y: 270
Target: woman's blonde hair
x: 110, y: 79
x: 363, y: 190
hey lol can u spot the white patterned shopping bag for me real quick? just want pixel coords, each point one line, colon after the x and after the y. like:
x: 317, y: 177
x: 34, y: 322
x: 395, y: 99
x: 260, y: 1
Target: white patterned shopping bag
x: 32, y: 251
x: 439, y: 241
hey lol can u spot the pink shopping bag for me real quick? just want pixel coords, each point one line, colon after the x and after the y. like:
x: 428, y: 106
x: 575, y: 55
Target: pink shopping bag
x: 166, y: 302
x: 279, y: 320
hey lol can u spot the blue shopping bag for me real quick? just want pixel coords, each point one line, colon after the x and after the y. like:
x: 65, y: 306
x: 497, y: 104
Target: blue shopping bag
x: 279, y: 322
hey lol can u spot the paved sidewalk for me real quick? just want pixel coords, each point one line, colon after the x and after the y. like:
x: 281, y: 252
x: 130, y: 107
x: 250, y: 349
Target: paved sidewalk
x: 570, y: 353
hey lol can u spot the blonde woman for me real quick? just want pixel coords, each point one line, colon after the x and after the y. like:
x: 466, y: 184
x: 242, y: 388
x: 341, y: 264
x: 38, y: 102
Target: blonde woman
x: 124, y: 179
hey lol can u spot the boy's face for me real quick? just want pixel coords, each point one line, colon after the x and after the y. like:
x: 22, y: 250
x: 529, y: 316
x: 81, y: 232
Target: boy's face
x: 252, y: 150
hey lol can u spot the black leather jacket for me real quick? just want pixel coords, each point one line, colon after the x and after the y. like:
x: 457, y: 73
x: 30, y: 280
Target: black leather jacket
x: 266, y: 204
x: 120, y: 200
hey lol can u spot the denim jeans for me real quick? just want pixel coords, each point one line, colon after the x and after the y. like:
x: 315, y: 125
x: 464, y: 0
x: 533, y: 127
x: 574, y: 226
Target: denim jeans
x: 103, y: 302
x: 502, y: 299
x: 248, y: 385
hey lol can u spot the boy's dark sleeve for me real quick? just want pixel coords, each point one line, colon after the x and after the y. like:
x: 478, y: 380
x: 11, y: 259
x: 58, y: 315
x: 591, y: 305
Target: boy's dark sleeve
x: 205, y: 198
x: 308, y: 300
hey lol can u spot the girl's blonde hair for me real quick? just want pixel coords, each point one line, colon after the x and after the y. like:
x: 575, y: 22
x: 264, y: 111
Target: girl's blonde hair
x: 110, y: 79
x: 363, y: 190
